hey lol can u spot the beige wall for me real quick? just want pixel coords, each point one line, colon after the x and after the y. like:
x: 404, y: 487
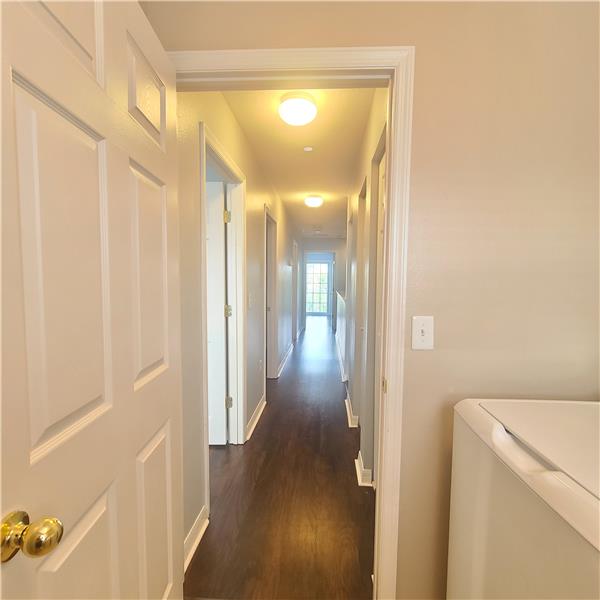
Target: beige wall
x: 503, y: 242
x: 212, y: 109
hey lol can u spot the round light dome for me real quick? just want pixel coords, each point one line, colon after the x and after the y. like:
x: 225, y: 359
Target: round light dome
x: 297, y: 109
x: 313, y: 201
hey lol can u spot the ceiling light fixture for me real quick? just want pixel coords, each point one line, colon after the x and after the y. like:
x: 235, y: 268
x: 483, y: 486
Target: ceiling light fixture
x: 308, y: 148
x: 297, y: 109
x: 313, y: 201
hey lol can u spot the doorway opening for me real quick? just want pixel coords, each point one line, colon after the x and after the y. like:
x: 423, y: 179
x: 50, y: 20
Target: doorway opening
x: 224, y: 224
x: 393, y: 67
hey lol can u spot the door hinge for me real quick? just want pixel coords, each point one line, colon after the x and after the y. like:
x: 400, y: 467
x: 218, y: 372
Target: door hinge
x: 226, y: 216
x: 384, y: 385
x: 228, y: 310
x: 228, y: 402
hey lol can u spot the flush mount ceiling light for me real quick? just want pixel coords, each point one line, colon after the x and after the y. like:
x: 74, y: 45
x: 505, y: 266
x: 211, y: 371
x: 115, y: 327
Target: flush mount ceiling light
x: 297, y: 109
x: 313, y: 201
x: 308, y: 148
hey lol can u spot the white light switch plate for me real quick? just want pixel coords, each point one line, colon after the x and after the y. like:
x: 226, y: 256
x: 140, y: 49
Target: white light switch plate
x: 422, y: 333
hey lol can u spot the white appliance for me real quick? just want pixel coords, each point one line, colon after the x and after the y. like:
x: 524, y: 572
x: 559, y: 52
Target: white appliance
x: 525, y: 508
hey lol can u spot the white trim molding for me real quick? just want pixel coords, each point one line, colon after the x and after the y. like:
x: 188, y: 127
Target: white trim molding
x: 194, y: 536
x: 222, y: 69
x: 284, y: 360
x: 352, y: 418
x: 389, y: 450
x: 258, y: 411
x: 394, y: 67
x: 363, y: 476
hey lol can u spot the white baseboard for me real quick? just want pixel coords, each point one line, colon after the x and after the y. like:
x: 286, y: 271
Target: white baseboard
x: 284, y: 360
x: 363, y: 475
x: 258, y: 411
x: 352, y: 418
x: 192, y: 539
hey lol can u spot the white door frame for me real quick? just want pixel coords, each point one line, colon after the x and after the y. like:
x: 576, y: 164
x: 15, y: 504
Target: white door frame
x: 209, y: 144
x: 271, y: 358
x: 245, y: 69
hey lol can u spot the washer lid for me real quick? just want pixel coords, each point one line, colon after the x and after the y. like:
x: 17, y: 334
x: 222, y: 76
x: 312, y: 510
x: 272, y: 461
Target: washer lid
x: 565, y: 434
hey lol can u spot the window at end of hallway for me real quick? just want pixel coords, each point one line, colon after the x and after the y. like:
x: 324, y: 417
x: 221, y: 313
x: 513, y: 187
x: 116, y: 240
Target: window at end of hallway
x: 317, y: 288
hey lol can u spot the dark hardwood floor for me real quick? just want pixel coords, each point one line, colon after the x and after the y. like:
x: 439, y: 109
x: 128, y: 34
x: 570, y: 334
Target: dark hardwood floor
x: 287, y: 518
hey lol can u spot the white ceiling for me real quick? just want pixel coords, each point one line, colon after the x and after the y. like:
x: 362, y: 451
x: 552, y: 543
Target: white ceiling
x: 329, y: 170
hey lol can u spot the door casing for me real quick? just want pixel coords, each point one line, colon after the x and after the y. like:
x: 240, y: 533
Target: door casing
x: 391, y: 67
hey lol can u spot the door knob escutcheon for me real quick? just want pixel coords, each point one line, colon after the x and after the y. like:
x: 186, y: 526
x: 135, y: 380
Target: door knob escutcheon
x: 34, y: 539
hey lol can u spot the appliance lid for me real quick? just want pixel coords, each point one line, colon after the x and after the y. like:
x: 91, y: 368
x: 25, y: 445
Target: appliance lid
x: 565, y: 434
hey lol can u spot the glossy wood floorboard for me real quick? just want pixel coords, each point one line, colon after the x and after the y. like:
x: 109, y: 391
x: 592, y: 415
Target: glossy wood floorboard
x: 288, y: 519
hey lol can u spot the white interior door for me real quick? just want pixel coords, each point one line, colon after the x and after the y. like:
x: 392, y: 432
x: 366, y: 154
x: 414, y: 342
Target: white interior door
x: 236, y: 298
x: 91, y: 424
x: 216, y: 333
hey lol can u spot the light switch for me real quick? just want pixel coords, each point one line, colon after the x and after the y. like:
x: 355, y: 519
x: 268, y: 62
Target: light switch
x: 422, y: 333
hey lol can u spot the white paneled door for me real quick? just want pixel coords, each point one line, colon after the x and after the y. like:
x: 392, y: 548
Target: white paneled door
x: 91, y: 424
x: 216, y: 333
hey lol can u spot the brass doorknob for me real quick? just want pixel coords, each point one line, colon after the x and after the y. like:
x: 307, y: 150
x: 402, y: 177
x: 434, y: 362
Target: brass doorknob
x: 35, y: 539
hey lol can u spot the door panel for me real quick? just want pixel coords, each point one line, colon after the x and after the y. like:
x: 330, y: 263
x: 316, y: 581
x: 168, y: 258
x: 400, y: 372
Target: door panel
x: 236, y: 297
x: 93, y: 539
x: 149, y: 275
x: 90, y: 337
x: 155, y: 516
x: 215, y: 302
x: 63, y: 251
x: 146, y: 93
x: 78, y: 22
x: 79, y: 27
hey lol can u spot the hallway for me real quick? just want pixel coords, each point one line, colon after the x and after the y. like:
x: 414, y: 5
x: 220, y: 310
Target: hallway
x: 288, y: 519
